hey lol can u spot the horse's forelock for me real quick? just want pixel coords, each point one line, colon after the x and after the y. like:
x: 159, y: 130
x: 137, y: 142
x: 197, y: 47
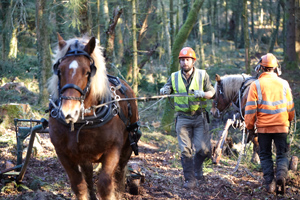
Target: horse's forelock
x: 99, y: 82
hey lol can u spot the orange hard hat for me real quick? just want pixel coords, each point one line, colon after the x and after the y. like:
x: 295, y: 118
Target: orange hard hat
x: 187, y: 52
x: 269, y: 60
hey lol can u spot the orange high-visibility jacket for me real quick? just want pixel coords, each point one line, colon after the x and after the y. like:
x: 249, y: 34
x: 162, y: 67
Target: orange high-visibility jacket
x: 270, y: 105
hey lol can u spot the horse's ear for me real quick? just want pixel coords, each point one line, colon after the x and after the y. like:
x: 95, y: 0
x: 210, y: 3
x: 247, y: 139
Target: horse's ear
x: 61, y: 42
x: 218, y: 78
x: 89, y: 48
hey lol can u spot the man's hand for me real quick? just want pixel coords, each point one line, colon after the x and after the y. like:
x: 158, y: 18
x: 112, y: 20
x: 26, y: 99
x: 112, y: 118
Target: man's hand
x: 199, y: 93
x: 165, y: 90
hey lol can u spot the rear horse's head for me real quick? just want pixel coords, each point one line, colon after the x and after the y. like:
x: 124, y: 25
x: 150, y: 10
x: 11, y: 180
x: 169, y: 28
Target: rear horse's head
x: 227, y: 88
x: 79, y: 77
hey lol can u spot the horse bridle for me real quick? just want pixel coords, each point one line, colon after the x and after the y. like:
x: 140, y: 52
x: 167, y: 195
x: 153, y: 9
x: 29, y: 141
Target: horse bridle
x: 215, y: 101
x: 74, y: 52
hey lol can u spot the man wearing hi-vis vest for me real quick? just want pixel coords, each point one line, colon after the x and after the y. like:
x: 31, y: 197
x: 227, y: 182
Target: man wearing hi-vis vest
x: 191, y: 117
x: 270, y: 109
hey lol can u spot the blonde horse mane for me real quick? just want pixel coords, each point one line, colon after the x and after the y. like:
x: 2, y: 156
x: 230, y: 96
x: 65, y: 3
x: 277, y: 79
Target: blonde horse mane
x: 231, y: 85
x: 99, y: 82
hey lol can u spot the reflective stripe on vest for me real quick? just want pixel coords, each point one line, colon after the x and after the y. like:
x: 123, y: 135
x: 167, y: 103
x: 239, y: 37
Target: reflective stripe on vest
x: 188, y: 104
x: 260, y: 102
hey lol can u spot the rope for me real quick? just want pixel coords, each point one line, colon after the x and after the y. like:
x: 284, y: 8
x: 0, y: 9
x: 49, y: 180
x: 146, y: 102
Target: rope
x: 241, y: 152
x: 138, y: 98
x: 151, y: 106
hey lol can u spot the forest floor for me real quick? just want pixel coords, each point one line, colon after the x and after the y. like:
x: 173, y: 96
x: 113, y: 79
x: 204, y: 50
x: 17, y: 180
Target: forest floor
x: 46, y: 179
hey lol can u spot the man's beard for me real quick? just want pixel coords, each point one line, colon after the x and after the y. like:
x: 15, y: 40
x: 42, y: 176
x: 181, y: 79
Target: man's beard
x: 187, y: 69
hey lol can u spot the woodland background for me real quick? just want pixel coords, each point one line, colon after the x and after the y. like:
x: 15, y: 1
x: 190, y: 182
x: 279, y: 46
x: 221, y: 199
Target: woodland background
x: 141, y: 40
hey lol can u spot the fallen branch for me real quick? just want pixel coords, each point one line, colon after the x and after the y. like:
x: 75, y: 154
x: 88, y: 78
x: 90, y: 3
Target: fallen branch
x: 221, y: 142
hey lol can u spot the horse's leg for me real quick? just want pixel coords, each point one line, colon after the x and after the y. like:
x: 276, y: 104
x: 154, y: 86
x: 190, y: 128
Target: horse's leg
x: 255, y: 157
x: 121, y: 171
x: 78, y: 184
x: 106, y: 185
x: 87, y: 169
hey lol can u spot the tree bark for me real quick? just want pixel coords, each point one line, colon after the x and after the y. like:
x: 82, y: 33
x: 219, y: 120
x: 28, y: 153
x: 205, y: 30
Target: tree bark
x: 201, y: 44
x: 43, y: 48
x: 252, y: 19
x: 290, y: 56
x: 246, y: 37
x: 180, y: 39
x: 275, y: 31
x: 109, y: 47
x: 13, y: 46
x: 98, y: 22
x: 297, y: 17
x: 166, y: 31
x: 171, y: 23
x: 84, y: 18
x: 5, y: 31
x: 135, y: 70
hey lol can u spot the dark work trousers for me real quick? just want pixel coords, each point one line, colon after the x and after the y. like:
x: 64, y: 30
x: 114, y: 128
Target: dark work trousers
x: 265, y: 155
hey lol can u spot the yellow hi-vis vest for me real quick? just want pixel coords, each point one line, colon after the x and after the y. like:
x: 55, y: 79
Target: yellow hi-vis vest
x: 188, y: 104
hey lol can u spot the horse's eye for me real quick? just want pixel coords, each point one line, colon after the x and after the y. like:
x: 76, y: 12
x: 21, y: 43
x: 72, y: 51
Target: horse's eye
x: 87, y: 74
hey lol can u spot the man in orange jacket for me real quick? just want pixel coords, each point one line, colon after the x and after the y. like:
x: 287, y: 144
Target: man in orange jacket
x: 270, y: 108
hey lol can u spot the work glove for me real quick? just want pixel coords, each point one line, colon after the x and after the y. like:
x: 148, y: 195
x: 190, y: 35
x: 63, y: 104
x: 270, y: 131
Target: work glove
x: 165, y: 90
x: 199, y: 93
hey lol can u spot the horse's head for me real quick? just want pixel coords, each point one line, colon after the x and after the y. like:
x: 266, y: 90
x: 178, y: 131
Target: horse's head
x: 227, y: 89
x: 220, y: 102
x: 74, y: 73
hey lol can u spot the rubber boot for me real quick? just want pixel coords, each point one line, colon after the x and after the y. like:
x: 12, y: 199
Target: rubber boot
x: 188, y: 171
x: 198, y: 165
x: 280, y: 185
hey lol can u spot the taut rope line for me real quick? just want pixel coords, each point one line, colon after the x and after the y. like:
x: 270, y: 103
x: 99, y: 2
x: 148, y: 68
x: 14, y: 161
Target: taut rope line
x: 118, y: 98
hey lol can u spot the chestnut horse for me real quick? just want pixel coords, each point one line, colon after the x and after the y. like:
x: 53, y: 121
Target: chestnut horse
x: 82, y: 131
x: 232, y: 90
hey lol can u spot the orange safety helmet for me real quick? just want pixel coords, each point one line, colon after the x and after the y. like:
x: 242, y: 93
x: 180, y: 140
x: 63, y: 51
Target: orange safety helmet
x: 187, y: 52
x: 269, y: 60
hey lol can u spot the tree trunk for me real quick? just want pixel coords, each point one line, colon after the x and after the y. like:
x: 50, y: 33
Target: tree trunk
x: 84, y: 18
x: 180, y: 39
x: 166, y: 31
x: 98, y: 21
x: 282, y: 3
x: 201, y: 44
x: 237, y: 17
x: 297, y: 17
x: 246, y: 37
x: 110, y: 42
x: 13, y: 46
x: 135, y: 70
x: 275, y: 31
x: 261, y: 14
x: 106, y: 13
x: 226, y: 16
x: 5, y: 10
x: 171, y: 23
x: 290, y: 56
x: 252, y: 19
x: 212, y: 31
x: 43, y: 48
